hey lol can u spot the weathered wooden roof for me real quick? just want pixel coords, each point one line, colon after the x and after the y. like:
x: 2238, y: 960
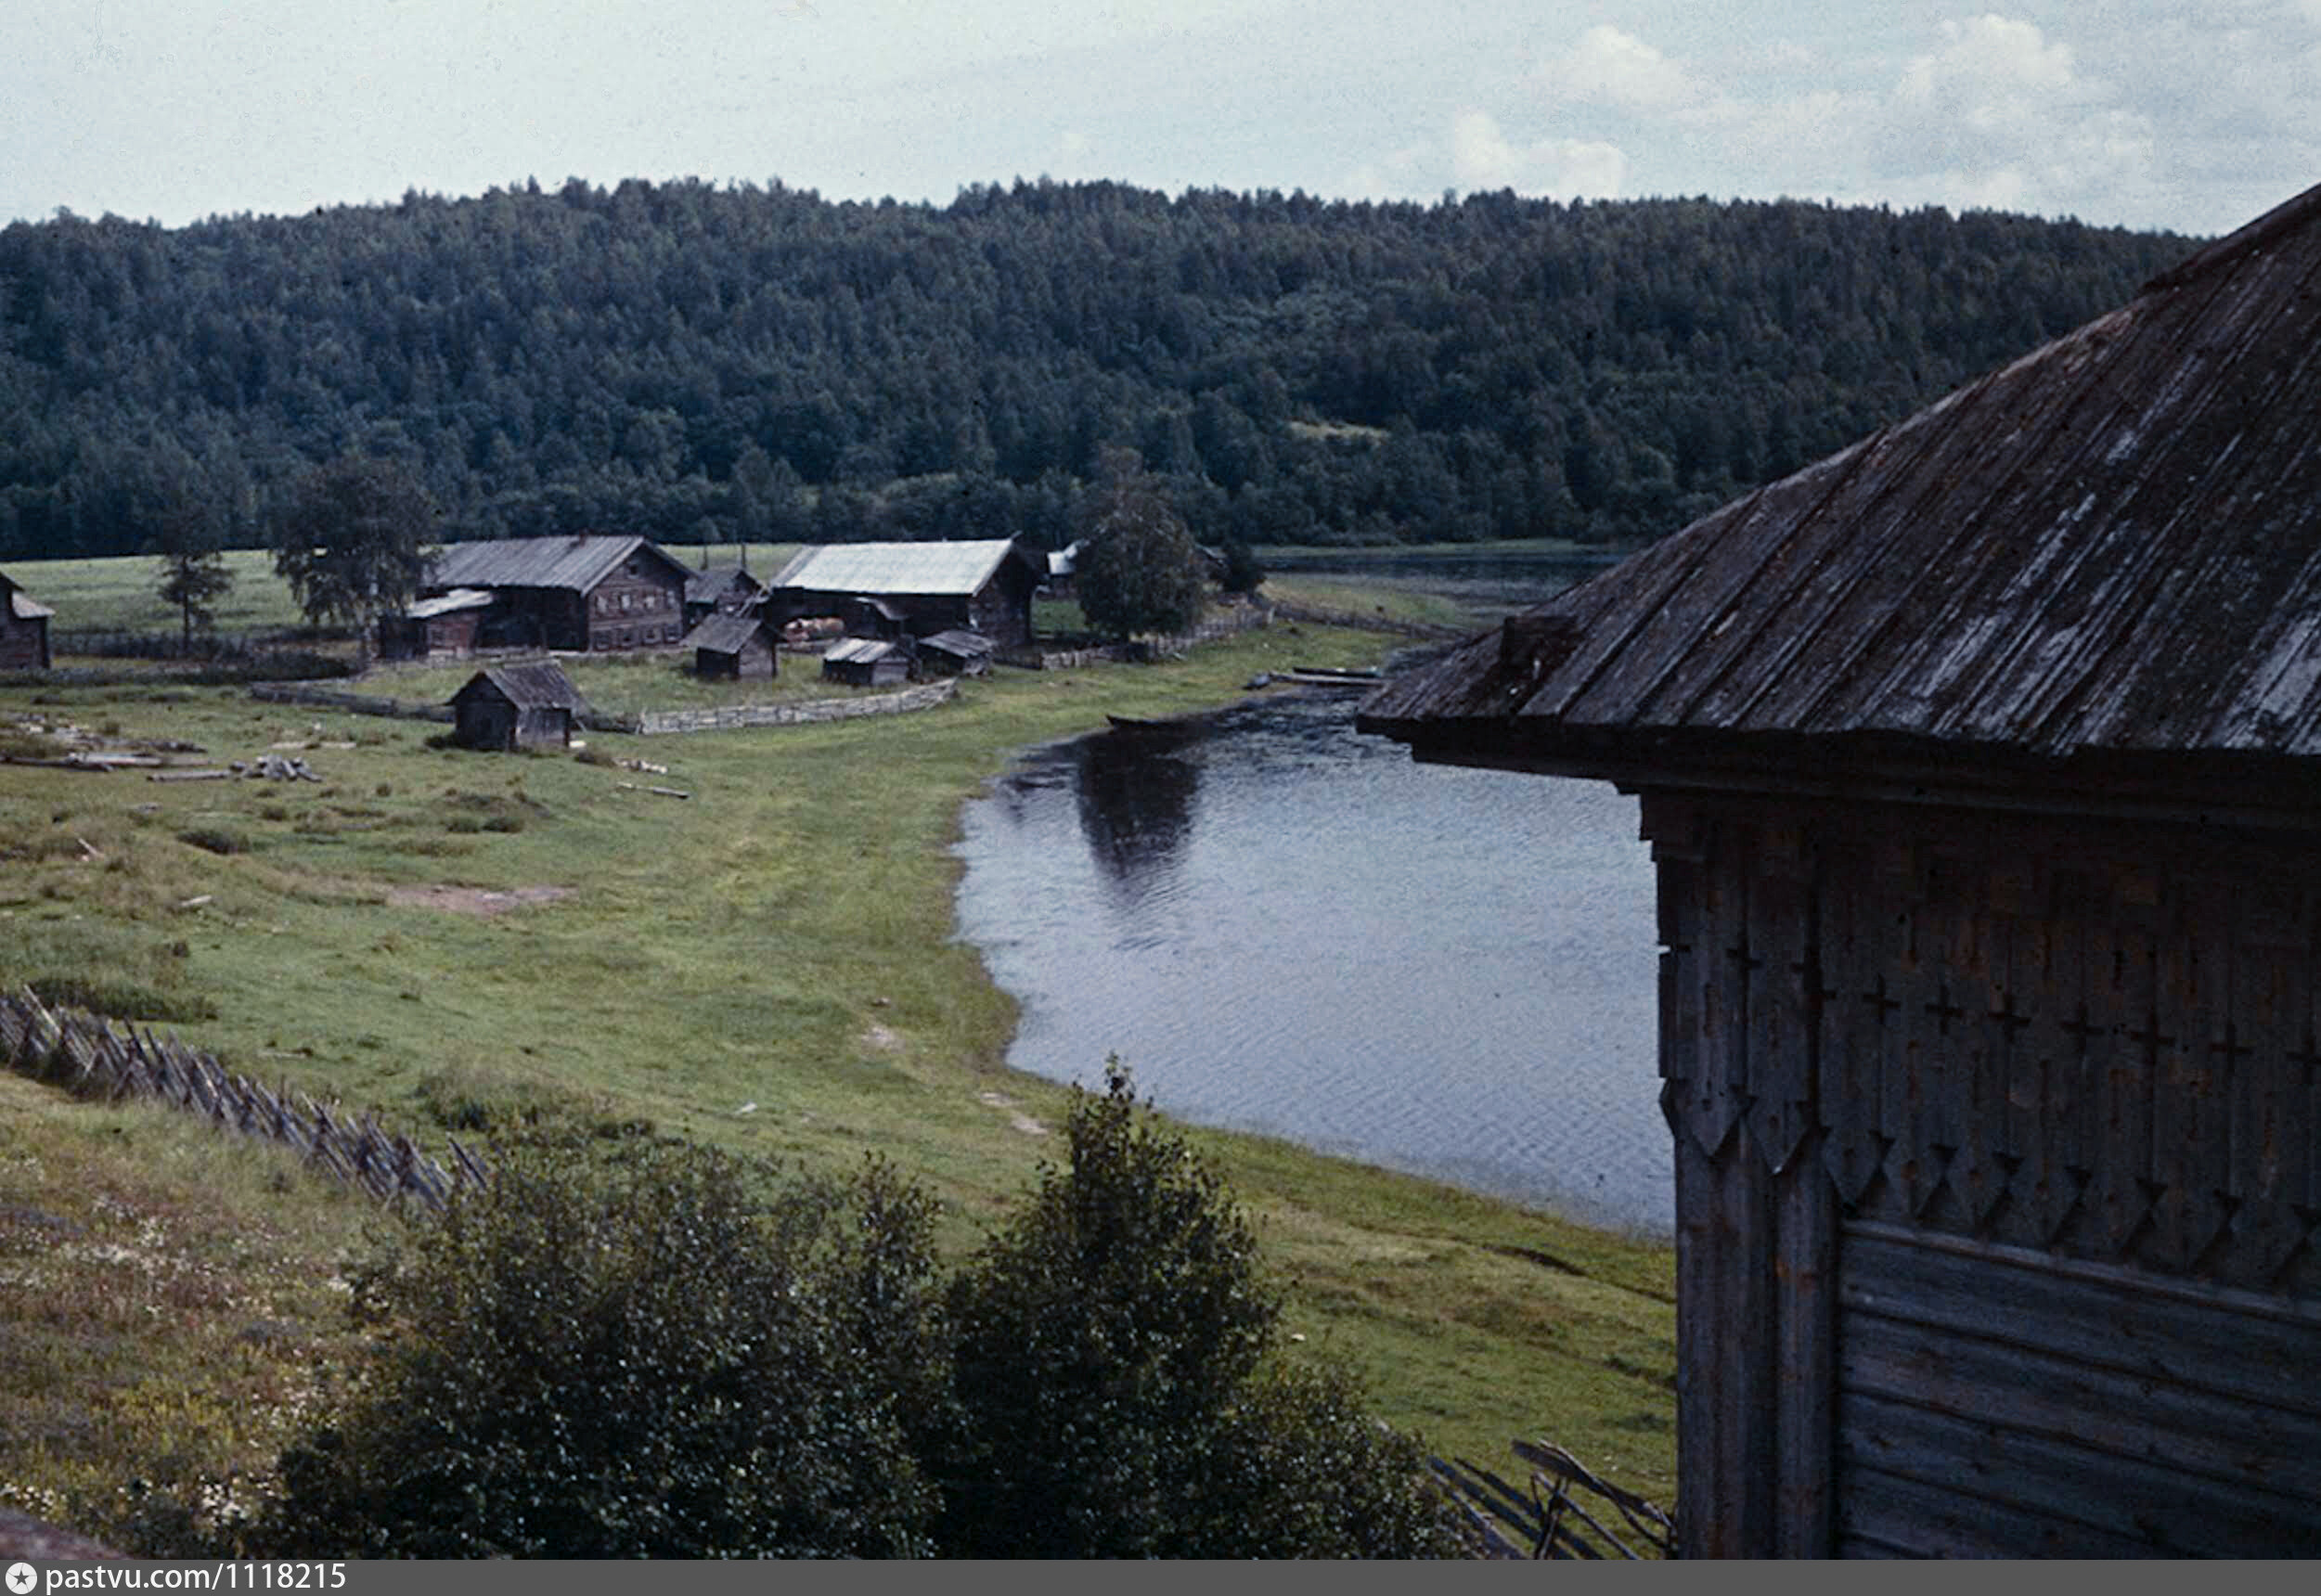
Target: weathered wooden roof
x: 960, y: 644
x: 724, y: 633
x: 578, y: 563
x: 449, y: 603
x: 858, y: 650
x: 540, y: 684
x: 2109, y: 548
x: 926, y: 569
x: 20, y: 603
x: 708, y: 586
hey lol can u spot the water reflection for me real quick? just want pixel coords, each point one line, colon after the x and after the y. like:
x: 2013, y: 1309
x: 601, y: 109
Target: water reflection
x: 1286, y: 927
x: 1136, y: 794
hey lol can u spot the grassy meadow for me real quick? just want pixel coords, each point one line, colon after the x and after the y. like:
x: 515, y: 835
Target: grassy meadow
x: 472, y: 942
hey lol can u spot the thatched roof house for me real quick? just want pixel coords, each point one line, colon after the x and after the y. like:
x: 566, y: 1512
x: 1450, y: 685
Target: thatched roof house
x: 1981, y: 763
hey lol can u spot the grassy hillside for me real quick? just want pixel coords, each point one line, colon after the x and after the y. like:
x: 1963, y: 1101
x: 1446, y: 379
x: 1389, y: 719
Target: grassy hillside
x: 766, y: 966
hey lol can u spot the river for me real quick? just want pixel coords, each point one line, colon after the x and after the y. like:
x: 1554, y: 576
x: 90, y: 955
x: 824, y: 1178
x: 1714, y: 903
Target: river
x: 1282, y: 926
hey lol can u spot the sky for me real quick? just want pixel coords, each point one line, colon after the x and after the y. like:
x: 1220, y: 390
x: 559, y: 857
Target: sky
x: 2192, y: 117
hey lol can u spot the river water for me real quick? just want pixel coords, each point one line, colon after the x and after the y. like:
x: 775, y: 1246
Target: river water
x: 1286, y: 926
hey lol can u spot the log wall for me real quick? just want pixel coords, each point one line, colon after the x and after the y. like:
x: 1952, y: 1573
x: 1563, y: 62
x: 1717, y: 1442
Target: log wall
x: 1912, y: 1055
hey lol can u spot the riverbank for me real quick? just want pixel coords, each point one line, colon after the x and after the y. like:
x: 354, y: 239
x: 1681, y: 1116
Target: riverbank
x: 766, y: 967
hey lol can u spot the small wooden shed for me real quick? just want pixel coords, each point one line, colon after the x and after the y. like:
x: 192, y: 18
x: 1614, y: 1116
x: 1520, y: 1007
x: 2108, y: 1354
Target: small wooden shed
x: 24, y: 629
x: 737, y: 647
x: 1981, y: 765
x: 957, y: 653
x: 508, y: 707
x: 866, y: 661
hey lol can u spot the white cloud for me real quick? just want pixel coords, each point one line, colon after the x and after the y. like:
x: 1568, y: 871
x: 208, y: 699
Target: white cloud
x: 1482, y: 158
x: 1999, y: 115
x: 1990, y: 111
x: 1608, y: 67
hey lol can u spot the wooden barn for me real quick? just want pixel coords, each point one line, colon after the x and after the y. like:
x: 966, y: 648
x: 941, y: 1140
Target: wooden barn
x: 579, y: 595
x: 1981, y: 767
x: 513, y: 706
x: 24, y: 629
x: 738, y: 648
x: 925, y: 587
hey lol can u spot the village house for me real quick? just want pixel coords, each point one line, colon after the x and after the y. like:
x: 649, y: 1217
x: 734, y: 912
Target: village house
x: 24, y: 629
x: 1981, y: 768
x: 921, y: 587
x: 735, y: 647
x: 579, y: 595
x: 729, y: 591
x: 512, y: 706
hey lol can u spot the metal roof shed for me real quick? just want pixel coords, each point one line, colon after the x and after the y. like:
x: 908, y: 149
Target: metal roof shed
x: 1981, y: 763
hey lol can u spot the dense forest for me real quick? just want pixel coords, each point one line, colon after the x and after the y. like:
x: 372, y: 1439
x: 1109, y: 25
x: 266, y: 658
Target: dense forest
x: 709, y: 363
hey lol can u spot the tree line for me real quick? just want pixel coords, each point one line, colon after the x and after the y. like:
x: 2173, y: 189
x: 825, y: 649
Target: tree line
x: 706, y: 363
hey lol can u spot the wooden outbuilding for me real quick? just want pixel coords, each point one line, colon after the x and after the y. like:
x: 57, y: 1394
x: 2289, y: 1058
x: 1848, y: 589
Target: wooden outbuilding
x: 24, y: 629
x: 513, y: 706
x: 957, y: 653
x: 984, y: 585
x: 1981, y: 767
x: 588, y: 594
x: 727, y: 591
x: 449, y: 623
x: 737, y: 647
x: 866, y: 663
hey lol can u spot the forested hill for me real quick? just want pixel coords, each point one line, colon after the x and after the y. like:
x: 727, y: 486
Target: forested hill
x: 695, y: 362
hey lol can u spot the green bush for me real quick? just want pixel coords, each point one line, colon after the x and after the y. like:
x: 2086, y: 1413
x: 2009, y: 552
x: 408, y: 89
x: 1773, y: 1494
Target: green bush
x: 666, y: 1360
x: 1115, y: 1389
x: 661, y: 1354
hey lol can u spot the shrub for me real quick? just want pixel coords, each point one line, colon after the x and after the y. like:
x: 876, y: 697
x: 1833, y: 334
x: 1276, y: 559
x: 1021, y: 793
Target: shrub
x: 1114, y: 1389
x: 666, y: 1360
x: 660, y: 1354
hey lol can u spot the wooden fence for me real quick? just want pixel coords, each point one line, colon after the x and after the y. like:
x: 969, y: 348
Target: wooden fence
x: 647, y: 723
x: 1225, y: 623
x: 801, y: 712
x: 93, y: 1058
x: 1549, y: 1516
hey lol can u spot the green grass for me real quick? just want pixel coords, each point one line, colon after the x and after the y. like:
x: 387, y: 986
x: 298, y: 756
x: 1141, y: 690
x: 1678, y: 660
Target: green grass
x: 173, y: 1301
x: 621, y: 684
x: 1342, y: 595
x: 119, y: 594
x: 782, y: 940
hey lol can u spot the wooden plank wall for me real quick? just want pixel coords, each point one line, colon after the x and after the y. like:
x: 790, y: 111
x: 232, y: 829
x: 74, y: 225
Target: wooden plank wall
x: 2069, y: 1044
x: 1992, y: 1402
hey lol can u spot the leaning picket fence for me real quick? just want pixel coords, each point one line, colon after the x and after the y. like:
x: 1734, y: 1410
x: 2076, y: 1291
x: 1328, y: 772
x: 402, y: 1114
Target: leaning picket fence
x: 1558, y: 1512
x: 93, y: 1057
